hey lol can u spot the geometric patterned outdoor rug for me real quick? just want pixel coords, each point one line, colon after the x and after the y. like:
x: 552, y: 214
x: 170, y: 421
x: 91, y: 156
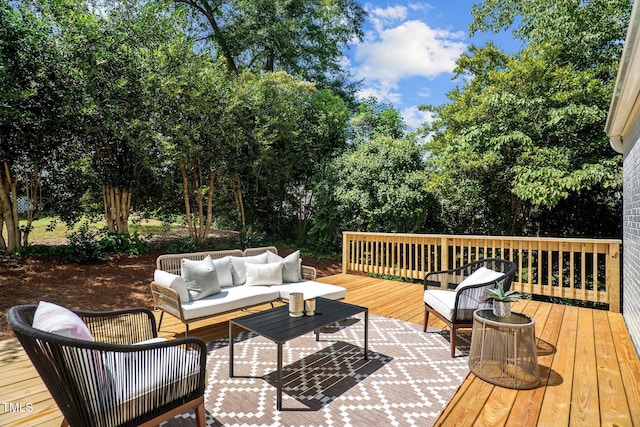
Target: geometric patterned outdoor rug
x: 407, y: 380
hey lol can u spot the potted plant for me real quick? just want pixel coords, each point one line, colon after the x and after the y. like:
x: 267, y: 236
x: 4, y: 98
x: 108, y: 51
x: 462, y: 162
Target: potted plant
x: 502, y: 300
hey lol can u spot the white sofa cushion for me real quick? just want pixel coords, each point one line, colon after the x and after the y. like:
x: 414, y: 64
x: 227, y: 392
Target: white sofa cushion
x: 200, y: 277
x: 311, y: 289
x: 174, y: 282
x: 264, y: 274
x: 290, y: 265
x: 223, y: 271
x: 58, y: 320
x: 238, y: 270
x: 229, y: 299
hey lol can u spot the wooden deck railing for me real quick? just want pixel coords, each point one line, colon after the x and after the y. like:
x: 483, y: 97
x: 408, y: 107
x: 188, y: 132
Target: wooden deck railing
x: 579, y: 269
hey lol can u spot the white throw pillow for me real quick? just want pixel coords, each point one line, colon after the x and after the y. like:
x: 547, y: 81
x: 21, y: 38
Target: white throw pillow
x: 200, y: 277
x: 264, y: 274
x: 174, y: 282
x: 481, y: 275
x: 238, y: 269
x: 290, y: 265
x: 223, y: 270
x: 58, y: 320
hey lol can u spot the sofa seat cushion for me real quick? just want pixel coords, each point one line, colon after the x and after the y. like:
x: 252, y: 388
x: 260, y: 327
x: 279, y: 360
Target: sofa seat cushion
x: 229, y: 299
x: 311, y: 289
x: 443, y: 301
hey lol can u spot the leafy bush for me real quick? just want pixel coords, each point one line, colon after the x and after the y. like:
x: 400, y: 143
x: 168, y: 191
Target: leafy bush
x: 84, y: 245
x: 130, y: 244
x: 89, y: 245
x: 184, y: 245
x: 39, y: 251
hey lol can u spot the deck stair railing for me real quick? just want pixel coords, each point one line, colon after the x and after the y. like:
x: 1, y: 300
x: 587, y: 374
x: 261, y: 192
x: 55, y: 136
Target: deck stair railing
x: 577, y: 269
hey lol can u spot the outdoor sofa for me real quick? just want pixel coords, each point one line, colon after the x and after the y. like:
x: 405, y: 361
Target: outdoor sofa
x: 196, y: 286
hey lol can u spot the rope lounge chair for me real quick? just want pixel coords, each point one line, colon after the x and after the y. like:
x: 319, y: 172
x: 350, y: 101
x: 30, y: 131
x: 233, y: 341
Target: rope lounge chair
x: 453, y: 295
x: 112, y: 381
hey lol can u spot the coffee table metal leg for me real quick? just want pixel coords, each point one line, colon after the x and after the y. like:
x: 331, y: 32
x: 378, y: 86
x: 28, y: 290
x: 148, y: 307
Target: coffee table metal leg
x: 231, y: 335
x: 279, y: 395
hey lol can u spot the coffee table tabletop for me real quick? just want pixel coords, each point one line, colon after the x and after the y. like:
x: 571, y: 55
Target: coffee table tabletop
x: 276, y: 325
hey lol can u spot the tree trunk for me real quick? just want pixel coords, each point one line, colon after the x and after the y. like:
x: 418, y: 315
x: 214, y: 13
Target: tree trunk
x: 236, y: 187
x: 185, y: 196
x: 9, y: 208
x: 32, y: 186
x: 117, y: 203
x: 199, y: 216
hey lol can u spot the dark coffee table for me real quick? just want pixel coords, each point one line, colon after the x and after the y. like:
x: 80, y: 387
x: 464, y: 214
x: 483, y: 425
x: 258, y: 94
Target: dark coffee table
x: 276, y: 325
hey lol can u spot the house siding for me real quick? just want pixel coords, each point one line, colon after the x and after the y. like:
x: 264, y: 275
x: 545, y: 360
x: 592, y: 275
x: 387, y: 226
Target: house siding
x: 631, y: 233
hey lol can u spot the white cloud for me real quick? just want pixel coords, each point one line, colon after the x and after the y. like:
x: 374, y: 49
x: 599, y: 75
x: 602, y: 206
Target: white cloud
x: 397, y: 48
x: 381, y: 93
x: 380, y: 18
x: 414, y: 118
x: 410, y: 49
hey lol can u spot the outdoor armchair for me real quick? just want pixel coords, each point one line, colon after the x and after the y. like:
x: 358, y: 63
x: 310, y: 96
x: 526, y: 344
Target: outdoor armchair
x: 453, y: 295
x: 126, y: 376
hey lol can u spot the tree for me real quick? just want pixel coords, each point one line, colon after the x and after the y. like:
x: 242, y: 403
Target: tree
x: 195, y: 94
x: 115, y: 52
x: 302, y: 38
x: 286, y: 129
x: 525, y: 132
x: 377, y: 183
x: 32, y: 114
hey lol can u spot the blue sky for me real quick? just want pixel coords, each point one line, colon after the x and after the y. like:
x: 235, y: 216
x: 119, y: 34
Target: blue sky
x: 409, y: 52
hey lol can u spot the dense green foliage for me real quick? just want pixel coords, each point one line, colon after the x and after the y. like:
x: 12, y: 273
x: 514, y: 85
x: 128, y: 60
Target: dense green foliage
x: 114, y: 107
x: 524, y: 135
x: 302, y: 38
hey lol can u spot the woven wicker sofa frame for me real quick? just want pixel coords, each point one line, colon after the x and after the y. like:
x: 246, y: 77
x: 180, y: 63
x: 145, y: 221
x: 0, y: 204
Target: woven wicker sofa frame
x: 168, y: 300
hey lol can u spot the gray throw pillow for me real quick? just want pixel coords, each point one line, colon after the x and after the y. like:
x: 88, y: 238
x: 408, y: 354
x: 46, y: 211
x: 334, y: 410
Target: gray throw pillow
x: 200, y: 277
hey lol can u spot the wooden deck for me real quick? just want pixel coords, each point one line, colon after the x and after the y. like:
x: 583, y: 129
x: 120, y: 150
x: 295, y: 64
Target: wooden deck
x: 590, y: 369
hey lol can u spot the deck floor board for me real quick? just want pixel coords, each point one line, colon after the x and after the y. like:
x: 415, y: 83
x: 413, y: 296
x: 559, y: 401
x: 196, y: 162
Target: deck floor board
x: 590, y: 370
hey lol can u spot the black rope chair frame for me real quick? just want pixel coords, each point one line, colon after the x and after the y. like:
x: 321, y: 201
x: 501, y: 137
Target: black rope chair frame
x: 111, y: 381
x: 462, y: 316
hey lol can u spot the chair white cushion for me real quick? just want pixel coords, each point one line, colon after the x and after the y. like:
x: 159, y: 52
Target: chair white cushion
x: 290, y: 265
x: 174, y: 282
x: 481, y: 275
x: 200, y: 277
x: 311, y: 289
x: 152, y: 370
x: 58, y: 320
x: 229, y: 299
x: 264, y: 274
x: 238, y: 270
x: 441, y: 301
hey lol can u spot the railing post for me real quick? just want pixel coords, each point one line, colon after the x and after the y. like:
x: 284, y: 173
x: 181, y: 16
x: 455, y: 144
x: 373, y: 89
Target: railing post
x: 444, y: 252
x: 613, y: 276
x: 346, y: 256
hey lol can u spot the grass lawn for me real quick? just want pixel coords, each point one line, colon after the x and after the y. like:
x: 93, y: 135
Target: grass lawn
x: 42, y: 234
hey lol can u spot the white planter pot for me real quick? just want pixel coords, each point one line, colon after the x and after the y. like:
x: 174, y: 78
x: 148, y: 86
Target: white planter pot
x: 501, y: 308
